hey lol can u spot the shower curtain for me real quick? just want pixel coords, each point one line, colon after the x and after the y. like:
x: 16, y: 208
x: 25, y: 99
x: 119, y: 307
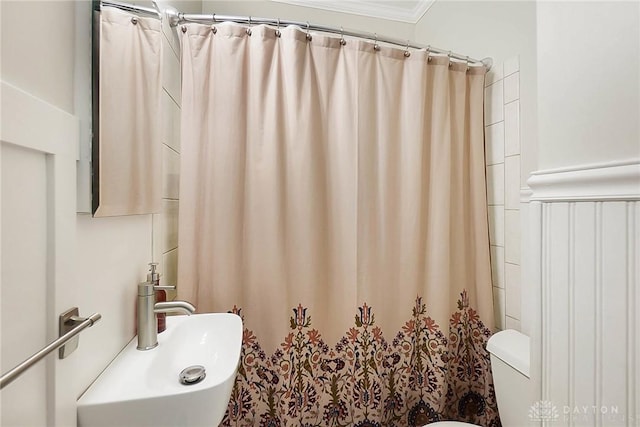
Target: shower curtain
x: 333, y: 196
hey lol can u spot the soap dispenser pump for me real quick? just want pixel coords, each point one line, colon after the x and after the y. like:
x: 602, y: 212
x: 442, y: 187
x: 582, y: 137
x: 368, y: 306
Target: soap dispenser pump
x: 161, y: 295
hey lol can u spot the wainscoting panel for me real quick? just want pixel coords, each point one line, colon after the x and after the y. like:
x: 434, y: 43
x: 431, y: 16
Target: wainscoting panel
x: 584, y: 217
x: 589, y: 270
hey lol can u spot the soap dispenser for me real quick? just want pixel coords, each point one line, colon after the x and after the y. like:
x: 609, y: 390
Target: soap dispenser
x: 161, y: 295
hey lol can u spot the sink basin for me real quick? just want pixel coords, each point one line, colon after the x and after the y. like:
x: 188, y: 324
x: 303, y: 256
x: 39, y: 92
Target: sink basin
x: 142, y: 388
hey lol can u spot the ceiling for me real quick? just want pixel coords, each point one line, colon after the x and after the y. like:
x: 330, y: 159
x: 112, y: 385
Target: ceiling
x: 399, y: 10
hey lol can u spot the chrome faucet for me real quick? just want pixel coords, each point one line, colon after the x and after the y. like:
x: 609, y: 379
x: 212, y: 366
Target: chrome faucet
x: 147, y: 310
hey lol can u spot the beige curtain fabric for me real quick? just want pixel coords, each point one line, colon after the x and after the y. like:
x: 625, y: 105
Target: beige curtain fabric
x: 422, y: 207
x: 129, y: 159
x: 323, y: 183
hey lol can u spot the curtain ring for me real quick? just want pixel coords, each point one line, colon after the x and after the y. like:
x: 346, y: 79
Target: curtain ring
x: 134, y: 20
x: 467, y: 61
x: 375, y: 43
x: 278, y: 33
x: 249, y: 29
x: 184, y: 28
x: 213, y: 29
x: 429, y: 53
x: 406, y: 51
x: 342, y: 40
x: 309, y: 38
x: 450, y: 62
x: 213, y: 17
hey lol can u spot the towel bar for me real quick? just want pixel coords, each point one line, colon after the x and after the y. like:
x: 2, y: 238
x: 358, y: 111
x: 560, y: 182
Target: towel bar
x: 80, y: 325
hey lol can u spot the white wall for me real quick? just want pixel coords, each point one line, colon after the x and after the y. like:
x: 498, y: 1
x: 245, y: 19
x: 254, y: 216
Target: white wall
x: 37, y: 49
x: 111, y: 259
x: 588, y: 82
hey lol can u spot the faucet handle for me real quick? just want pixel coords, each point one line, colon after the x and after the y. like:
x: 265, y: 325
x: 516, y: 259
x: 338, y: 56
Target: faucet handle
x: 148, y: 289
x: 164, y: 287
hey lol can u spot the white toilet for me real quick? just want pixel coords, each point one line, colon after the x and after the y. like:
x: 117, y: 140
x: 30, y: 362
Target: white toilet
x: 510, y: 368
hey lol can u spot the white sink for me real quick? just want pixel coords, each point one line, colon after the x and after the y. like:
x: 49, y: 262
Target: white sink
x: 142, y: 388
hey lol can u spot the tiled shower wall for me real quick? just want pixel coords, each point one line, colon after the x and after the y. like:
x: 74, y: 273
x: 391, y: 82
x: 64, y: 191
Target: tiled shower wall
x: 502, y: 136
x: 165, y: 224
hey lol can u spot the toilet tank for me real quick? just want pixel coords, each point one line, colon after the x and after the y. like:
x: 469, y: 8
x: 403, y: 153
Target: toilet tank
x: 510, y: 367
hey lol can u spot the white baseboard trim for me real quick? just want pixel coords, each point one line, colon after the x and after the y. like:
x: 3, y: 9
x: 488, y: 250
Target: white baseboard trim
x: 604, y: 181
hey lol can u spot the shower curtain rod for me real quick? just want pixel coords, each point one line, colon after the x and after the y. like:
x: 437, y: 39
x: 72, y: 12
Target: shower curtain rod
x: 132, y: 8
x: 176, y: 18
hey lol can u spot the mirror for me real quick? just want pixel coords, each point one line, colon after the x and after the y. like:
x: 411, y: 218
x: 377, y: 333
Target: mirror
x: 126, y: 150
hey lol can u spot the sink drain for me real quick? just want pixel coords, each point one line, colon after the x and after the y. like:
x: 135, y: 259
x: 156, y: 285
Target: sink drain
x: 192, y: 375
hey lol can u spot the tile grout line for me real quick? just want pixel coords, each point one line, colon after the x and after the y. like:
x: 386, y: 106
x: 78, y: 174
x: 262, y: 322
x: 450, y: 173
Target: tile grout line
x: 171, y: 148
x: 493, y: 124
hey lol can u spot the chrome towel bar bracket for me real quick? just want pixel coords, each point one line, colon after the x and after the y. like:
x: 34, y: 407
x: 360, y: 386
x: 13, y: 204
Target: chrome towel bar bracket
x: 70, y: 326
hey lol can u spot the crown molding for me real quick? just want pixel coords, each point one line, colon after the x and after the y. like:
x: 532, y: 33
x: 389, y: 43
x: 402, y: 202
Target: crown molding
x: 382, y: 10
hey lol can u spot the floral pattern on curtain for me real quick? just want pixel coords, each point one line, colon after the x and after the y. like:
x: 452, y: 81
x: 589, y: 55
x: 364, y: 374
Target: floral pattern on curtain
x: 426, y: 373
